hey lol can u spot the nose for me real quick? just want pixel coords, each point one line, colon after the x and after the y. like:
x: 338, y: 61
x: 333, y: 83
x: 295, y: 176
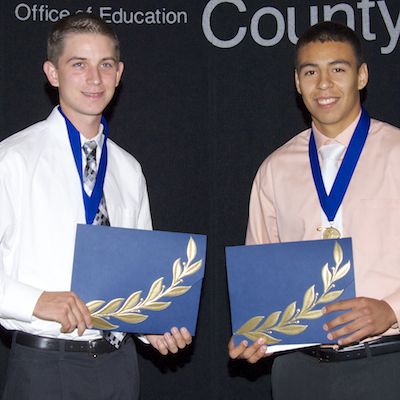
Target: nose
x: 94, y: 76
x: 325, y: 81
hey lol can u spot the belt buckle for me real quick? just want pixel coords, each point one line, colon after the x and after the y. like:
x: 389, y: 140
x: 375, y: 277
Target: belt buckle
x: 92, y: 346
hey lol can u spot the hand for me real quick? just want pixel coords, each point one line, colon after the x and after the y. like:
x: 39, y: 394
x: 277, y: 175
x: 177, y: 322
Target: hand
x: 172, y: 341
x: 251, y: 353
x: 66, y: 308
x: 365, y: 317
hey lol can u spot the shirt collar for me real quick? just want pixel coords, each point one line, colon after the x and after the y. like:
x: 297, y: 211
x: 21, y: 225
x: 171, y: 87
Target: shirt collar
x: 99, y: 138
x: 344, y: 137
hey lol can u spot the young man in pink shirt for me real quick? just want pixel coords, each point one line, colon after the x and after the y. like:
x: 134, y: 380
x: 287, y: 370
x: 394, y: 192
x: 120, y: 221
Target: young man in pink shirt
x: 330, y: 72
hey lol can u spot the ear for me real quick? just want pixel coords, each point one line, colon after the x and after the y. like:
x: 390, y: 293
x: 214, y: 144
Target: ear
x: 120, y: 69
x: 51, y: 72
x: 297, y: 81
x: 362, y: 76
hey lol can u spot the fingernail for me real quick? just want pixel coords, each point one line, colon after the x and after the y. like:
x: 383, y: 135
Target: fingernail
x: 323, y: 309
x: 325, y: 327
x: 174, y: 330
x: 260, y: 341
x: 245, y: 343
x: 330, y: 336
x: 263, y: 349
x: 340, y: 342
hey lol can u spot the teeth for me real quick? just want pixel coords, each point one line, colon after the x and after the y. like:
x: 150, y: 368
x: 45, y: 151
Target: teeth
x: 325, y: 101
x: 92, y: 94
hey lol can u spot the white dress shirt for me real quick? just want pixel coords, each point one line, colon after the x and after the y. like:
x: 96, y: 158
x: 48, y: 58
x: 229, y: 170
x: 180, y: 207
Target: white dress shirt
x: 41, y: 204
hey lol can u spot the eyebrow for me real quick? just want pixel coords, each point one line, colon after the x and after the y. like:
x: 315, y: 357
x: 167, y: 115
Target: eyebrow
x: 84, y: 59
x: 313, y: 65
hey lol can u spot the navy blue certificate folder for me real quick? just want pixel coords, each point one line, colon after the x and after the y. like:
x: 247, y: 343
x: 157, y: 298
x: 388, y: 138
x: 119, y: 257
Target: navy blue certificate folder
x: 277, y: 290
x: 137, y: 280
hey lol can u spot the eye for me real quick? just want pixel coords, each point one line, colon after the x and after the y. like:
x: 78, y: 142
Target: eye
x: 107, y: 65
x: 338, y: 69
x: 309, y: 72
x: 78, y: 64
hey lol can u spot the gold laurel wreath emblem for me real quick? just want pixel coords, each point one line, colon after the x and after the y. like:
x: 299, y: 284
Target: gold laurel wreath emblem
x: 288, y: 322
x: 130, y: 310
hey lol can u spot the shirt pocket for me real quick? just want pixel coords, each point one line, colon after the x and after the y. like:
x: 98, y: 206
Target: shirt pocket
x: 121, y: 217
x: 378, y: 234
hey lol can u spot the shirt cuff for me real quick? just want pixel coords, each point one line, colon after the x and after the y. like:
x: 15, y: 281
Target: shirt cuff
x: 143, y: 339
x: 19, y: 301
x: 394, y: 301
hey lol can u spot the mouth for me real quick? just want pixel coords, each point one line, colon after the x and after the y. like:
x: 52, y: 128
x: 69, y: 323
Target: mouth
x: 326, y: 101
x: 93, y: 95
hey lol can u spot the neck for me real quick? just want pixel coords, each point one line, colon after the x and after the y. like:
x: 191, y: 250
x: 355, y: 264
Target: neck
x: 332, y: 130
x: 88, y: 128
x: 331, y: 134
x: 87, y: 125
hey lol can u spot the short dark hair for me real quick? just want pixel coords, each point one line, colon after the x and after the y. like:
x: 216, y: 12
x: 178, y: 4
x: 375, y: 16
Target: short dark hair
x: 329, y: 31
x: 77, y: 23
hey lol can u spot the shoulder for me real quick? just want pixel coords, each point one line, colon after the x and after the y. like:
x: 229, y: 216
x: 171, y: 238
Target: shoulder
x: 288, y: 156
x: 381, y: 128
x: 120, y: 158
x: 31, y: 139
x: 384, y: 137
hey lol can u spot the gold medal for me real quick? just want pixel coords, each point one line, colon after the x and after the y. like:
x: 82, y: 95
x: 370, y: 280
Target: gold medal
x: 331, y: 233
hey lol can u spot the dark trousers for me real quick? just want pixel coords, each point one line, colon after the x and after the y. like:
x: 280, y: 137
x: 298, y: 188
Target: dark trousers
x: 34, y: 374
x: 297, y: 376
x: 4, y: 350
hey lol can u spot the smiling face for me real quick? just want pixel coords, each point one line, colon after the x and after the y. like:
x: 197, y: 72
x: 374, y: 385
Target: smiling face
x: 329, y: 81
x: 86, y: 75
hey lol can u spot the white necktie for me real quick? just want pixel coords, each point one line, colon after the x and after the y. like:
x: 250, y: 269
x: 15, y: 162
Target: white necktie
x: 330, y: 156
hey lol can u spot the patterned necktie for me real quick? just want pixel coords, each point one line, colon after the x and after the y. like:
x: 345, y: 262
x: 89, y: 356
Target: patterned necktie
x: 101, y: 218
x: 330, y: 155
x: 89, y: 180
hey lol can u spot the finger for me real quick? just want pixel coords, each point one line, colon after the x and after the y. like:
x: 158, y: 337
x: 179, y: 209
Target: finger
x: 85, y: 312
x: 355, y: 337
x: 68, y: 323
x: 341, y: 319
x: 153, y: 341
x: 67, y: 317
x: 187, y: 337
x: 352, y: 332
x: 178, y: 338
x: 78, y: 318
x: 260, y: 353
x: 339, y: 306
x: 236, y: 351
x: 162, y: 346
x: 251, y: 352
x: 170, y: 341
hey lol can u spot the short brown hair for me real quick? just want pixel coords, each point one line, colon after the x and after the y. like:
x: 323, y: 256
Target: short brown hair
x: 77, y: 23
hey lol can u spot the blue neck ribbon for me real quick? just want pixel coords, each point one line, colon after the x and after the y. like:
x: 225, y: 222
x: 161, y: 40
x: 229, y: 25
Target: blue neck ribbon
x: 91, y: 203
x: 330, y: 204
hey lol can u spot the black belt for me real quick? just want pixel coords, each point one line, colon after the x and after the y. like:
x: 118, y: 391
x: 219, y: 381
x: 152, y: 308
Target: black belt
x: 384, y: 345
x: 92, y: 347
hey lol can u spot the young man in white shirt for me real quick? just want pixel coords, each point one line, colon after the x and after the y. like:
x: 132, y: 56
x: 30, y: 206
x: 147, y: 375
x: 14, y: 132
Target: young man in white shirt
x: 55, y: 353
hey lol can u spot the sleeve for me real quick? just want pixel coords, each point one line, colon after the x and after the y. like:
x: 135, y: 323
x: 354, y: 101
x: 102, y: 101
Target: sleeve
x: 144, y: 216
x: 144, y: 222
x: 17, y: 300
x: 262, y: 225
x: 394, y: 301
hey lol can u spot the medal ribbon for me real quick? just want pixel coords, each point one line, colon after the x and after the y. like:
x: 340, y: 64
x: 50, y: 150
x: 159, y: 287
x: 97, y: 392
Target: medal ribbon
x: 330, y: 204
x: 91, y: 203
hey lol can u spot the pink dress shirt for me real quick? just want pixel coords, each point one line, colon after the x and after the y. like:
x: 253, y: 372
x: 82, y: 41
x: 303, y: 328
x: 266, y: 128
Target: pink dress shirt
x: 284, y: 206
